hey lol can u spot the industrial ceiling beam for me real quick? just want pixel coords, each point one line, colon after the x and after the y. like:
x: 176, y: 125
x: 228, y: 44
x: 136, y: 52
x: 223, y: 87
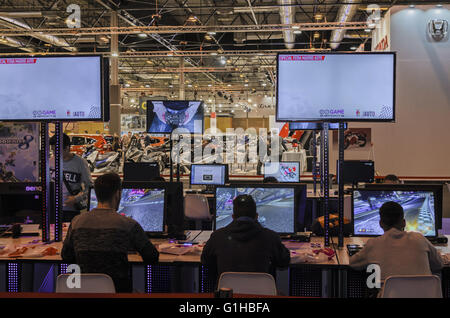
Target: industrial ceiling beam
x: 153, y: 30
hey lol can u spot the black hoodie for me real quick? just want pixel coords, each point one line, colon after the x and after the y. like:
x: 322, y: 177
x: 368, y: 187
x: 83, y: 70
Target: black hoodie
x: 244, y: 246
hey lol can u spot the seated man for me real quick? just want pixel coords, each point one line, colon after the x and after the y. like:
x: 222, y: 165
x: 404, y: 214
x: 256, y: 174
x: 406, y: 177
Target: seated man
x: 397, y: 252
x: 244, y: 245
x: 98, y: 241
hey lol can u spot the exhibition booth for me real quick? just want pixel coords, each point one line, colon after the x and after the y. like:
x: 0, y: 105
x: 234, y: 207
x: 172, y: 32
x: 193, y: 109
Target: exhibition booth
x: 315, y: 160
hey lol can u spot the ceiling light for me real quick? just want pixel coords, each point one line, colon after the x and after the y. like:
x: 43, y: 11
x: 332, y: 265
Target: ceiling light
x: 298, y: 32
x: 412, y: 6
x: 264, y: 84
x: 295, y: 27
x: 169, y: 54
x: 207, y: 37
x: 114, y: 54
x: 192, y: 18
x: 353, y: 48
x: 212, y: 33
x: 147, y: 86
x: 246, y: 85
x: 127, y: 85
x: 439, y: 5
x: 209, y: 85
x: 132, y: 100
x: 189, y: 85
x: 318, y: 16
x: 316, y: 35
x: 213, y: 53
x: 368, y: 30
x: 142, y: 35
x: 229, y: 85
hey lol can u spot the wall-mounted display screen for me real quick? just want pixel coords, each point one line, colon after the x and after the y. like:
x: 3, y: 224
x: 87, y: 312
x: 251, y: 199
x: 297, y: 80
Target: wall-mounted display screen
x: 66, y: 88
x: 336, y: 87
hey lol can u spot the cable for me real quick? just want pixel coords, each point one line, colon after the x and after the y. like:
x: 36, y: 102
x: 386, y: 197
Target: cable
x: 335, y: 252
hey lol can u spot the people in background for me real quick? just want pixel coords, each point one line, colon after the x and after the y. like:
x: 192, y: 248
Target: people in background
x: 397, y: 252
x: 98, y: 241
x: 391, y: 179
x: 244, y: 245
x: 270, y: 180
x: 76, y: 179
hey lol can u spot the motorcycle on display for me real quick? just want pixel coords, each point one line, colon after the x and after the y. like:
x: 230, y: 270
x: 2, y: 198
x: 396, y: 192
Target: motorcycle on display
x: 99, y: 163
x: 354, y: 139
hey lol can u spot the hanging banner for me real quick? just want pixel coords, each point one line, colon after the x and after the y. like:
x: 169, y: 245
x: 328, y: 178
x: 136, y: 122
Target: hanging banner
x: 19, y: 152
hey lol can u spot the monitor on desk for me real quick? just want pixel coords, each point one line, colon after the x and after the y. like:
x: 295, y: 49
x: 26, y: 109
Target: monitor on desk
x: 419, y: 205
x: 436, y: 188
x: 283, y: 171
x: 20, y: 203
x: 142, y: 204
x: 276, y: 205
x: 354, y: 171
x: 212, y: 174
x: 140, y: 171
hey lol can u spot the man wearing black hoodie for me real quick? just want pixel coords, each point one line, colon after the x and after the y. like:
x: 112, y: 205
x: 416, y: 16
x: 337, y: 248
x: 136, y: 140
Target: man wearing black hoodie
x: 244, y: 245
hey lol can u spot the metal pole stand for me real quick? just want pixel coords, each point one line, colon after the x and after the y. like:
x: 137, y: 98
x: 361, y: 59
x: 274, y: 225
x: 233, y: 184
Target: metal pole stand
x: 45, y: 182
x: 341, y: 185
x: 314, y: 161
x: 58, y: 181
x: 326, y: 187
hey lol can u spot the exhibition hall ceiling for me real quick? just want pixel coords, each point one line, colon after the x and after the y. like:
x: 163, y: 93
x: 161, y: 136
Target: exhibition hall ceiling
x: 224, y: 50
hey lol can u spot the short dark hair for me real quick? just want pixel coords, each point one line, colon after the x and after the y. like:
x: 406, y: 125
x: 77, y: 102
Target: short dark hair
x: 66, y: 141
x: 244, y: 205
x: 391, y: 214
x: 270, y: 180
x: 391, y: 177
x: 106, y: 186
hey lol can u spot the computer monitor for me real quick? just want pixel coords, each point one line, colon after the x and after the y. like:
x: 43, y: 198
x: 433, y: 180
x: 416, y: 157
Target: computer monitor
x: 214, y: 174
x: 283, y: 171
x: 140, y: 171
x: 144, y: 205
x: 355, y: 171
x: 436, y: 188
x: 276, y: 205
x: 419, y: 205
x: 20, y: 203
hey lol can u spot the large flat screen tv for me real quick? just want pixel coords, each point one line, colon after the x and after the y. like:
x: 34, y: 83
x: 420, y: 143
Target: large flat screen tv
x: 166, y: 116
x: 53, y: 88
x: 336, y: 87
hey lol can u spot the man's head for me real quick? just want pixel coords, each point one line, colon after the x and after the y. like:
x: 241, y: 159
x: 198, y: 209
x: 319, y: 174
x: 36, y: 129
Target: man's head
x: 108, y: 189
x: 244, y: 205
x: 392, y: 216
x: 66, y: 142
x: 270, y: 180
x: 391, y: 179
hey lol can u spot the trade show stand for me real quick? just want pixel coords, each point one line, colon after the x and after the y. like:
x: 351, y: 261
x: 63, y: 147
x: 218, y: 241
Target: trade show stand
x: 179, y: 270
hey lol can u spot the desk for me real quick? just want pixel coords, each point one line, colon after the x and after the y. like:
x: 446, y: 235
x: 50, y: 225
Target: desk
x: 184, y: 273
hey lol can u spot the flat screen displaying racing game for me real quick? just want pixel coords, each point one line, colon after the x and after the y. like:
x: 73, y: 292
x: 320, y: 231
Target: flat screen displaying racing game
x: 418, y: 205
x: 166, y: 116
x: 145, y: 206
x: 275, y: 206
x: 51, y: 88
x: 208, y: 174
x: 283, y: 171
x: 336, y: 87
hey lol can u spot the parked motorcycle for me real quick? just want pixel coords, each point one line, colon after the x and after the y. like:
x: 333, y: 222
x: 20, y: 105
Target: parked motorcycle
x: 99, y: 163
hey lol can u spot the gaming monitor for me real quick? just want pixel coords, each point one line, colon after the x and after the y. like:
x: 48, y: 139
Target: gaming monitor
x: 283, y: 171
x: 336, y: 87
x: 144, y: 205
x: 419, y: 205
x: 313, y: 126
x: 20, y: 203
x: 166, y: 116
x: 275, y: 205
x: 214, y: 174
x: 140, y: 171
x: 355, y: 171
x: 51, y: 88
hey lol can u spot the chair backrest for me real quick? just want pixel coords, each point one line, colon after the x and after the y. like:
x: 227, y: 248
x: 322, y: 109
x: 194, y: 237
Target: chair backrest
x: 196, y: 207
x: 89, y: 283
x: 248, y: 283
x: 412, y: 286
